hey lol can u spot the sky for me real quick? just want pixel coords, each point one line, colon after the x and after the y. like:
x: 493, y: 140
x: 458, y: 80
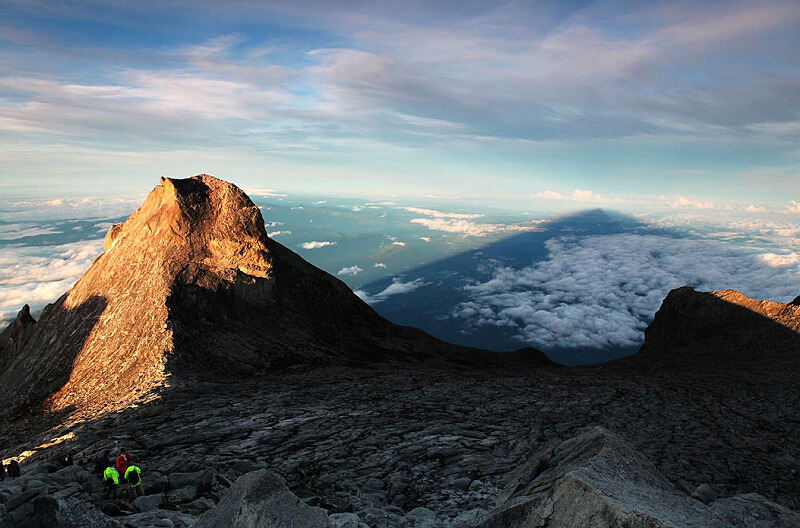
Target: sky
x: 636, y: 106
x: 381, y: 136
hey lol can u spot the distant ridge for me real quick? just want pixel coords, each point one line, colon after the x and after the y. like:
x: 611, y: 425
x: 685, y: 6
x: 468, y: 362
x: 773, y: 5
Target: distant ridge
x: 716, y: 329
x: 190, y: 287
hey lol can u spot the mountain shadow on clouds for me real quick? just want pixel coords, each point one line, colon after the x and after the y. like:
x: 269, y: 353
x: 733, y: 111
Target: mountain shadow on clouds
x: 440, y: 286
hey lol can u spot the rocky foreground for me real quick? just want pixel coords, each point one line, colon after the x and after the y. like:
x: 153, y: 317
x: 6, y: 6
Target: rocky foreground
x: 396, y: 446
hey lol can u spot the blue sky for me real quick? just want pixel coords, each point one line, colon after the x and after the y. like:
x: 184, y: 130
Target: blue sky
x: 635, y: 106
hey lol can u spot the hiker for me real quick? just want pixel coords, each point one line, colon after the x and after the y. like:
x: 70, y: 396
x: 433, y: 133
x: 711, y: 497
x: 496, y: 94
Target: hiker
x: 122, y: 462
x: 13, y: 469
x: 134, y: 477
x: 102, y: 462
x: 111, y: 480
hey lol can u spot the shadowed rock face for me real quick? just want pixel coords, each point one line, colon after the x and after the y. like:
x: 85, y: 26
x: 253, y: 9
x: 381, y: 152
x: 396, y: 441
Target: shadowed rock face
x: 191, y: 287
x: 721, y: 329
x: 14, y: 336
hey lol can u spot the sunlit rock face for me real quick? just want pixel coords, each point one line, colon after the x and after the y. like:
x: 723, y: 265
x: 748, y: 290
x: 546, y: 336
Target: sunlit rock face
x: 190, y: 287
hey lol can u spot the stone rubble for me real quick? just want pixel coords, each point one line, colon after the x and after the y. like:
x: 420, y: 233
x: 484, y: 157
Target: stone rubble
x: 388, y: 447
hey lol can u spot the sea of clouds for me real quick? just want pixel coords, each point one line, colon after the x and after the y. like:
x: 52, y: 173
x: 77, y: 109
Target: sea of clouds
x: 38, y: 275
x: 602, y: 291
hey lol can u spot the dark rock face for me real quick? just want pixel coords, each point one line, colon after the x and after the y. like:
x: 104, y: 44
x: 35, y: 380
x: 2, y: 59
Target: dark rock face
x: 13, y: 338
x: 725, y: 329
x: 190, y: 287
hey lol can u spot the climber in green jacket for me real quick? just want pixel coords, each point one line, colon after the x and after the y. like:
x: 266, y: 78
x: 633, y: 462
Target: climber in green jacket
x: 134, y: 477
x: 111, y: 480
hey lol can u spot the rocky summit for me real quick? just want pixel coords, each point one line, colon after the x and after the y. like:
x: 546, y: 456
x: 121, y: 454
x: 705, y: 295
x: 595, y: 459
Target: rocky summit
x: 191, y: 287
x: 255, y: 390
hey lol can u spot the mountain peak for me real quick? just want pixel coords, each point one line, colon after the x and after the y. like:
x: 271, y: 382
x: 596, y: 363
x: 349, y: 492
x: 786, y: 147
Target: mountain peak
x: 202, y: 220
x: 720, y: 329
x: 191, y: 287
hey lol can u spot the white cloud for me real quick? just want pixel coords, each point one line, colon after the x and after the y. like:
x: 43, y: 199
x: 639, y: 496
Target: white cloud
x: 774, y: 260
x: 549, y: 195
x: 379, y: 265
x: 460, y: 223
x: 279, y: 233
x: 792, y: 208
x: 439, y: 214
x: 352, y: 270
x: 316, y: 245
x: 258, y: 191
x: 397, y: 287
x: 684, y: 202
x: 401, y: 244
x: 602, y: 291
x: 585, y: 196
x: 16, y: 231
x: 425, y: 239
x: 754, y: 209
x: 38, y: 275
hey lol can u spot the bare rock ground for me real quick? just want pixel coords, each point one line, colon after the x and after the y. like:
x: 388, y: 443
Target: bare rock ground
x: 377, y: 445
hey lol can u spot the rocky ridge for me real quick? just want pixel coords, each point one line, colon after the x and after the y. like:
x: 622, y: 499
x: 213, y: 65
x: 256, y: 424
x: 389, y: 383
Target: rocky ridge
x: 190, y: 287
x: 702, y: 330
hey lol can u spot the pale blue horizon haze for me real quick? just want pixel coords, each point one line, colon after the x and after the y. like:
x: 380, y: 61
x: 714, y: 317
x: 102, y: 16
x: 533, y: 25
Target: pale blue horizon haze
x: 380, y: 137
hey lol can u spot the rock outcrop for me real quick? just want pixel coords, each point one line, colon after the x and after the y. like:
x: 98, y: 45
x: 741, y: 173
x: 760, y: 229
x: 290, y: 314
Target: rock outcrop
x: 720, y: 329
x: 261, y: 500
x: 598, y: 480
x: 14, y: 336
x: 190, y: 288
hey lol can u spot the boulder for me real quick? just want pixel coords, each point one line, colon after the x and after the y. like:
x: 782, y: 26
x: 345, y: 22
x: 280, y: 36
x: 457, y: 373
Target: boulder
x: 595, y: 480
x: 259, y: 500
x: 160, y: 519
x: 754, y: 511
x: 149, y: 502
x: 49, y: 512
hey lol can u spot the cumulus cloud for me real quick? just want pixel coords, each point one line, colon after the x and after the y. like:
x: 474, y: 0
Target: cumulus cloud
x: 792, y: 208
x: 550, y: 195
x: 352, y: 270
x: 602, y: 291
x: 684, y: 202
x: 397, y: 287
x: 752, y: 208
x: 379, y: 265
x: 316, y: 245
x: 440, y: 214
x: 460, y: 223
x: 37, y: 275
x: 586, y: 196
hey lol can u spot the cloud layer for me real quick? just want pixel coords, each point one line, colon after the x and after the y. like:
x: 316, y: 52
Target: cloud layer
x: 39, y: 275
x: 602, y: 291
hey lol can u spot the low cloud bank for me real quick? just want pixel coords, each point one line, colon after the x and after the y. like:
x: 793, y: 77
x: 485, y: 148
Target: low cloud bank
x: 602, y: 291
x: 39, y: 275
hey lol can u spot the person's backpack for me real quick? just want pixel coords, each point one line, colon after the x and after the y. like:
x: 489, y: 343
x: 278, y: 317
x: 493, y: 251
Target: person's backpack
x: 134, y: 478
